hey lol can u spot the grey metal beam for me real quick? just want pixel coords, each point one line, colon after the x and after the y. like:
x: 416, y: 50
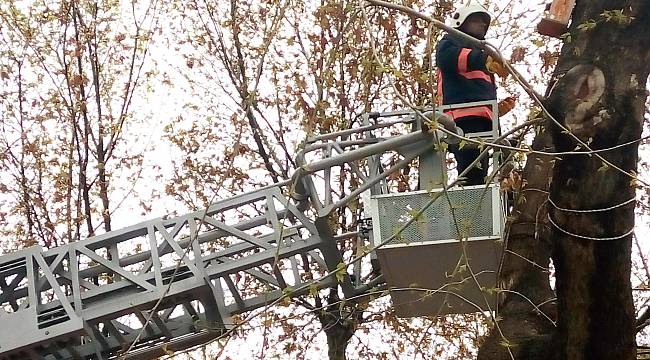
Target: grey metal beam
x: 86, y: 320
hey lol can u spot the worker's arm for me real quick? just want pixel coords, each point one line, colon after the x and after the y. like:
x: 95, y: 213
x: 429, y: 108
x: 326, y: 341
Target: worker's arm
x: 447, y: 56
x: 467, y: 62
x: 475, y: 59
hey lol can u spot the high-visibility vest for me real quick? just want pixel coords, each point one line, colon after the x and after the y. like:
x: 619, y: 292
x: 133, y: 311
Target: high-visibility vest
x: 463, y: 78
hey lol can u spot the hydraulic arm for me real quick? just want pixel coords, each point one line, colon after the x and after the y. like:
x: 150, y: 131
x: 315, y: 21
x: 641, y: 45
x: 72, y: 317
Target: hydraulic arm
x: 92, y: 299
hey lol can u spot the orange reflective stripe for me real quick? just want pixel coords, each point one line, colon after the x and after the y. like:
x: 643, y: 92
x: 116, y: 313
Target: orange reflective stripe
x: 462, y: 60
x: 477, y: 74
x: 482, y: 111
x: 462, y: 67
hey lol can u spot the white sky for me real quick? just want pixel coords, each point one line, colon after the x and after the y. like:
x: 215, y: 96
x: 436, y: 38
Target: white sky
x: 165, y: 105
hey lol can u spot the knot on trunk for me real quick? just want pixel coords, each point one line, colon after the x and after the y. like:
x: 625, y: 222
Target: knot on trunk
x: 585, y: 87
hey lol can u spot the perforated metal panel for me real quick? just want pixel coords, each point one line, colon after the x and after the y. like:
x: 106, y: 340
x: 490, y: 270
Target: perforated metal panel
x: 461, y: 213
x: 423, y: 265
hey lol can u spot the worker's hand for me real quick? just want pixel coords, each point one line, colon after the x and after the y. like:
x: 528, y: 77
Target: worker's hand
x: 506, y: 105
x: 496, y: 67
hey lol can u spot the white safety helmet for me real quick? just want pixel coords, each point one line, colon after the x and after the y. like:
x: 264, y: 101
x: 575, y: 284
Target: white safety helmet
x: 459, y: 16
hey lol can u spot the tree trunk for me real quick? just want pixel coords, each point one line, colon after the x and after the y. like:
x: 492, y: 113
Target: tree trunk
x: 338, y: 331
x: 339, y: 321
x: 524, y: 275
x: 600, y: 96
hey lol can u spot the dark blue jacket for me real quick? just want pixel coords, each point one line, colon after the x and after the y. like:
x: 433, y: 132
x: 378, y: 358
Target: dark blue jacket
x: 463, y: 77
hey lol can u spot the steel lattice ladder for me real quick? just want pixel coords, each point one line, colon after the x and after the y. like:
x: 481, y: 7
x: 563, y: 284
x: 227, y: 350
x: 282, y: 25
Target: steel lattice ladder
x: 90, y: 299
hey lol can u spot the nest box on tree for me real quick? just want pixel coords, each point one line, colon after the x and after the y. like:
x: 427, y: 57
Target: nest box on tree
x: 557, y: 20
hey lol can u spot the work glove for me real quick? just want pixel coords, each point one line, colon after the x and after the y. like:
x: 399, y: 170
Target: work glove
x: 506, y: 105
x: 496, y: 67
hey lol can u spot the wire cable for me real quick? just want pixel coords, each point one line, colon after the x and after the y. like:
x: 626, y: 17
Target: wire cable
x: 589, y: 237
x: 592, y: 210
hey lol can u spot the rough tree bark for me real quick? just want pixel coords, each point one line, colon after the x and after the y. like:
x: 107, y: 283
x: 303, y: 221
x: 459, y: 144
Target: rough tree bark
x: 524, y: 274
x: 599, y: 93
x: 601, y: 97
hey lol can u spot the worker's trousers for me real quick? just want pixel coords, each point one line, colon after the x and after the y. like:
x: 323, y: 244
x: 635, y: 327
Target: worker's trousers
x: 464, y: 157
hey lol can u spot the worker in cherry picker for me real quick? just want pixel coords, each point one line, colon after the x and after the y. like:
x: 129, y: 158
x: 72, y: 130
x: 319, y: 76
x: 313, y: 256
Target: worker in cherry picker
x: 466, y: 74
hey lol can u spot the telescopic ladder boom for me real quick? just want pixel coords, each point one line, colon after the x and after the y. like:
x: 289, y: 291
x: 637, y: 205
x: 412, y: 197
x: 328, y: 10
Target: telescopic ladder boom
x: 91, y: 299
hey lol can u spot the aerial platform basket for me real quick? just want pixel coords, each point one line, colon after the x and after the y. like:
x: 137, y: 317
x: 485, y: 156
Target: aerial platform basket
x: 425, y: 264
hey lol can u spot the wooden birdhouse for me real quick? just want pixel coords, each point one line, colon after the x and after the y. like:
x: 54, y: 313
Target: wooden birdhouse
x: 557, y: 19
